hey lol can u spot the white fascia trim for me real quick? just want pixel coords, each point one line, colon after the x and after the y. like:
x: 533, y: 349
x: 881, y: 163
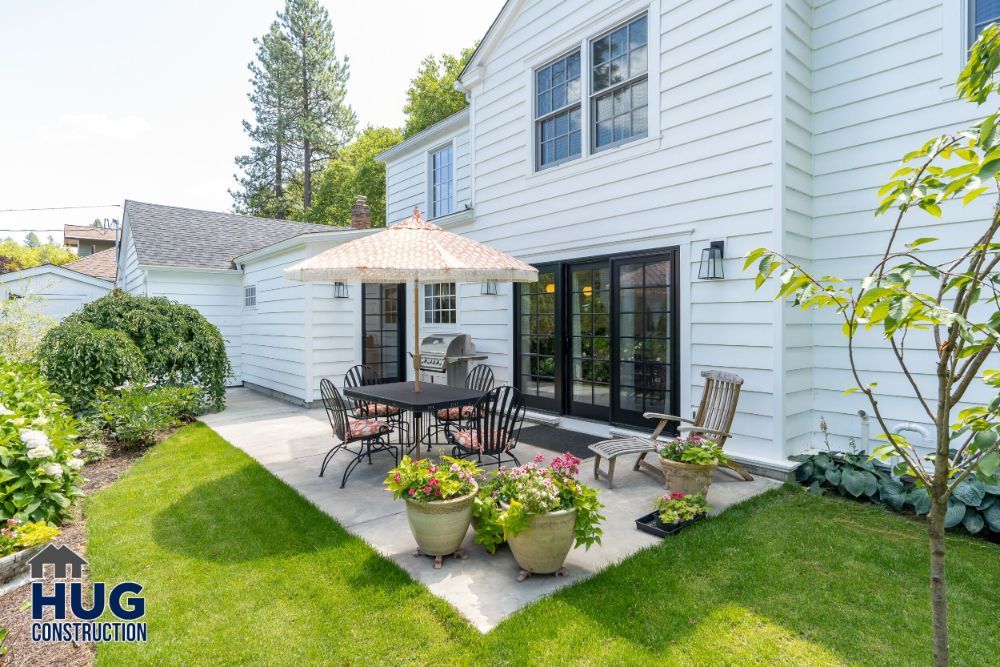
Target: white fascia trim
x: 302, y: 240
x: 183, y: 269
x: 429, y: 135
x: 57, y: 270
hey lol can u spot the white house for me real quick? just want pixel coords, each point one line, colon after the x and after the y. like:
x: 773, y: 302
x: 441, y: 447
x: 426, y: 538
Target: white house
x: 613, y: 144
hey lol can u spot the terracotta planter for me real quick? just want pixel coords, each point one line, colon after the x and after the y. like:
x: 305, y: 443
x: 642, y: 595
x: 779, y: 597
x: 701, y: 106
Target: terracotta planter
x: 439, y: 527
x: 686, y: 478
x: 542, y: 547
x: 14, y: 567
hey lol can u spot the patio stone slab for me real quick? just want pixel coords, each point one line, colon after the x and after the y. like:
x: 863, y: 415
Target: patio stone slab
x: 290, y: 442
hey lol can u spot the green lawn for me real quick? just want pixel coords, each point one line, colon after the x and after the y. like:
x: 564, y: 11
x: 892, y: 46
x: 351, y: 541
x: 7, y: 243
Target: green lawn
x: 238, y: 568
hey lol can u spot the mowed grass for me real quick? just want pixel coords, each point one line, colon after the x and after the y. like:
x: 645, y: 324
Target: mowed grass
x: 239, y: 569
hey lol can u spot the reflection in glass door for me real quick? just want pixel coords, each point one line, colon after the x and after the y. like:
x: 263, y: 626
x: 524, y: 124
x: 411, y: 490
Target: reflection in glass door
x: 539, y: 347
x: 589, y: 351
x: 384, y: 332
x: 645, y: 335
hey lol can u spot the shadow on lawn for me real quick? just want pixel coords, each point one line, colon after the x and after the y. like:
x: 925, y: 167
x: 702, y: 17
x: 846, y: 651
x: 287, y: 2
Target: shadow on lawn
x: 245, y: 516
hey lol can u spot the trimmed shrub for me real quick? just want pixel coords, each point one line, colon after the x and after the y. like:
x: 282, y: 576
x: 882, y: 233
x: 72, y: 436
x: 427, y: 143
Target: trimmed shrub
x: 39, y: 467
x: 79, y: 359
x: 179, y: 345
x: 135, y: 415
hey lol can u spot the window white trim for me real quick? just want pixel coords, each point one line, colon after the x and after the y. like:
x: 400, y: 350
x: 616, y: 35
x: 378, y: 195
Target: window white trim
x: 440, y: 303
x: 250, y: 297
x: 581, y: 38
x: 431, y: 202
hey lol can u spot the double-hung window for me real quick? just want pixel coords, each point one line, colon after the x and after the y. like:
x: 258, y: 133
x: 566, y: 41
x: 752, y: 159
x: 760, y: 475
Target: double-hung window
x: 440, y: 305
x: 442, y: 181
x: 557, y: 111
x: 619, y: 109
x: 981, y: 14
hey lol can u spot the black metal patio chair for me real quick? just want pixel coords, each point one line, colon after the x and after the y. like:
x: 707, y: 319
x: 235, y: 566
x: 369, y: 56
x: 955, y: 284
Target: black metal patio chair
x: 493, y: 429
x: 370, y: 434
x: 363, y: 376
x: 479, y: 379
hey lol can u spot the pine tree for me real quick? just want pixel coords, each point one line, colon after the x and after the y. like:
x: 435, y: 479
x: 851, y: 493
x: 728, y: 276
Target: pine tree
x: 31, y: 240
x: 323, y: 120
x: 273, y: 154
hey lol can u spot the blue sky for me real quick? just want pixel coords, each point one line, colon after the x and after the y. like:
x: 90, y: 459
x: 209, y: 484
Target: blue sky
x: 102, y: 100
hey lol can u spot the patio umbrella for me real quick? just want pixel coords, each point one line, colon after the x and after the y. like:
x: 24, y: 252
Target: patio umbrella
x: 416, y: 251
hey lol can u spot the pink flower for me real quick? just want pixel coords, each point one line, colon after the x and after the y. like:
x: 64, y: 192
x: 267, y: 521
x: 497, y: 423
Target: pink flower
x: 413, y: 492
x: 434, y: 481
x: 676, y: 496
x: 396, y: 478
x: 433, y: 469
x: 427, y: 489
x: 539, y: 458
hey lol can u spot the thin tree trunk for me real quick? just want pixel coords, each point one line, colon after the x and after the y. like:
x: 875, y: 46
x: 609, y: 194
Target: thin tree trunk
x: 307, y: 176
x: 939, y: 586
x: 279, y: 186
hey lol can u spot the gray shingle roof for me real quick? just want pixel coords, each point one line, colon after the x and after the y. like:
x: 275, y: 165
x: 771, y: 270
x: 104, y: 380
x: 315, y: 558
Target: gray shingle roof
x: 186, y: 237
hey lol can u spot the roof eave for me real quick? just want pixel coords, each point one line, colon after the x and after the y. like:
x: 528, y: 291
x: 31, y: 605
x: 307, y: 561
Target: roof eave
x: 303, y: 239
x: 443, y: 126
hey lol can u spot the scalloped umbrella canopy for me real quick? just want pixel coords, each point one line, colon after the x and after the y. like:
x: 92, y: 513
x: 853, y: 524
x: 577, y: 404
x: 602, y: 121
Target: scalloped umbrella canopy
x: 414, y: 250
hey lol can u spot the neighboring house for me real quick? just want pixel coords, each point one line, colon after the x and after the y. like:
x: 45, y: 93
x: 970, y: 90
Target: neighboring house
x: 59, y: 290
x: 89, y: 240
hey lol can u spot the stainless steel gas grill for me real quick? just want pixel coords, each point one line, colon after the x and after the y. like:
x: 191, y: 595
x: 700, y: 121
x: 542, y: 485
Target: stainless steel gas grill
x: 444, y: 358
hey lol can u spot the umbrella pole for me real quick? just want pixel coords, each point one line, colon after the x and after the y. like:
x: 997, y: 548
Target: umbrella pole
x: 416, y: 336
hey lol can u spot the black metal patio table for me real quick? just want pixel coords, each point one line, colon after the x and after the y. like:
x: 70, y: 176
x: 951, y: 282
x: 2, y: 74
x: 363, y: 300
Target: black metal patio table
x: 404, y: 396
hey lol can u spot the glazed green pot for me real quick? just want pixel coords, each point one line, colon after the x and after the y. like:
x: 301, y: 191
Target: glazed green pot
x: 543, y: 546
x: 439, y: 527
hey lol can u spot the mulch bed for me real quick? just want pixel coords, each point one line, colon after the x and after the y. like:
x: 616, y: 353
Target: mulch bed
x: 15, y: 614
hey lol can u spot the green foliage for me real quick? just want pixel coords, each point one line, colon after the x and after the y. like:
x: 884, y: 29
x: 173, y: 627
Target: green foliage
x: 3, y: 641
x: 678, y: 508
x: 694, y: 450
x: 509, y: 499
x: 39, y: 469
x: 17, y: 257
x: 179, y: 346
x: 22, y: 327
x: 431, y: 96
x: 79, y: 359
x: 973, y: 506
x: 135, y: 415
x: 353, y: 172
x: 426, y: 480
x: 17, y: 536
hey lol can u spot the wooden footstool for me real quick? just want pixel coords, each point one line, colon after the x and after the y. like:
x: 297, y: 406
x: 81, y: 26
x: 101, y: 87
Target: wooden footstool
x: 612, y: 449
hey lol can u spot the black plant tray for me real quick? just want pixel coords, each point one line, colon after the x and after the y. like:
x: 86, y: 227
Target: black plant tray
x: 651, y: 524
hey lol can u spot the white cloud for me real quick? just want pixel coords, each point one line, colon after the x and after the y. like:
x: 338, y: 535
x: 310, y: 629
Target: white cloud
x: 78, y: 128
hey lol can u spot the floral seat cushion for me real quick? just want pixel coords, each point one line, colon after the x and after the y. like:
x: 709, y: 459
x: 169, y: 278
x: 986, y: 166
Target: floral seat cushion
x: 366, y: 428
x: 376, y: 410
x: 454, y: 414
x: 469, y: 439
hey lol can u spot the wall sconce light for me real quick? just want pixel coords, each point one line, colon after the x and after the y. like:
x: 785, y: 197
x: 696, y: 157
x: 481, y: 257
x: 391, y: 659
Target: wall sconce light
x: 711, y: 261
x: 489, y: 287
x: 340, y: 291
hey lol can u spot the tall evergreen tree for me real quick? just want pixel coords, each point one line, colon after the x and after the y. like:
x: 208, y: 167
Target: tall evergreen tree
x: 274, y: 154
x: 323, y: 120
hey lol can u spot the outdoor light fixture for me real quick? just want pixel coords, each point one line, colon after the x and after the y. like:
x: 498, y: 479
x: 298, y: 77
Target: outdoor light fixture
x: 711, y: 261
x: 489, y: 287
x: 340, y: 291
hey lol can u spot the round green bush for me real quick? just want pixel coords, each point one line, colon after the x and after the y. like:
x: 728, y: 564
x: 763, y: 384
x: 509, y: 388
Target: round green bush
x: 179, y: 345
x: 79, y: 359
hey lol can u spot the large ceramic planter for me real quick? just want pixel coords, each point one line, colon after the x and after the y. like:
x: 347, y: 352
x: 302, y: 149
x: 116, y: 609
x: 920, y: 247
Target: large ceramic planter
x: 14, y: 567
x: 542, y: 547
x: 439, y: 527
x: 686, y: 478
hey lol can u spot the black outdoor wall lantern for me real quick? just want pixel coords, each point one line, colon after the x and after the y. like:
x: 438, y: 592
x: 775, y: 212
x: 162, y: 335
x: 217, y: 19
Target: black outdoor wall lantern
x: 711, y: 261
x: 489, y: 287
x: 340, y: 291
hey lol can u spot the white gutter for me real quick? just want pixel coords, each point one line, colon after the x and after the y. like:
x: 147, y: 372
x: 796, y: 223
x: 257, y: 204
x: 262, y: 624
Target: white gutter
x: 343, y: 234
x: 427, y: 135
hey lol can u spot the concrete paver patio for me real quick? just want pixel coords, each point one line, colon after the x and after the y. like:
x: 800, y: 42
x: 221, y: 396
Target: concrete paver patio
x: 290, y: 441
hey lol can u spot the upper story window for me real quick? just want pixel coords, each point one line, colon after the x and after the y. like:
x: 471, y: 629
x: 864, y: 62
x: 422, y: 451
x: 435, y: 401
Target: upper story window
x: 250, y: 296
x: 557, y: 111
x: 442, y: 181
x: 619, y: 85
x: 981, y: 14
x: 440, y: 303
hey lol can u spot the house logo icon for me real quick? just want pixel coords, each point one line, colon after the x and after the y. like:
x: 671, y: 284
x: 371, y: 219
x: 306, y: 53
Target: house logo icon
x: 66, y: 563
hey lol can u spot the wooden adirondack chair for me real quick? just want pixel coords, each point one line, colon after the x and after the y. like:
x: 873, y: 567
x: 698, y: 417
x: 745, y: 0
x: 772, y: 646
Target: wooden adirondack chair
x: 713, y: 418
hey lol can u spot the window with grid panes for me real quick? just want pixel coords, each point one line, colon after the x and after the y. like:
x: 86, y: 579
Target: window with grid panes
x: 619, y: 86
x: 557, y: 111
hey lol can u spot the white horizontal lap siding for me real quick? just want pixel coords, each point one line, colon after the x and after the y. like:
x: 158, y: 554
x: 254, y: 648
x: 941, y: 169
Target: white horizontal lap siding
x: 131, y: 278
x: 217, y: 296
x: 408, y: 183
x: 708, y: 175
x: 274, y: 333
x: 50, y: 294
x: 879, y: 91
x: 335, y: 334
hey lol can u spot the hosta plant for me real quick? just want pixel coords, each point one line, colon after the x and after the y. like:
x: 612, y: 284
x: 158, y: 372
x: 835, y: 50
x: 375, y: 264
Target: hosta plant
x: 39, y: 460
x: 511, y: 496
x: 695, y: 450
x: 675, y: 508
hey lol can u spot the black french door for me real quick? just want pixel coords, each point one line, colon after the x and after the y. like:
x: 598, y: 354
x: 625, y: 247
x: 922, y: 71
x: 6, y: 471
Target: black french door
x: 384, y: 330
x: 598, y: 338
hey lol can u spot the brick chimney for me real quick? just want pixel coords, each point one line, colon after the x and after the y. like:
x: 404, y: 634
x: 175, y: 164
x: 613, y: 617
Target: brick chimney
x: 361, y: 214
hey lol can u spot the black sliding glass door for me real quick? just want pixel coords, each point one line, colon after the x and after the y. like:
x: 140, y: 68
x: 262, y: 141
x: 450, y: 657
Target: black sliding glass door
x: 384, y: 330
x: 598, y: 338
